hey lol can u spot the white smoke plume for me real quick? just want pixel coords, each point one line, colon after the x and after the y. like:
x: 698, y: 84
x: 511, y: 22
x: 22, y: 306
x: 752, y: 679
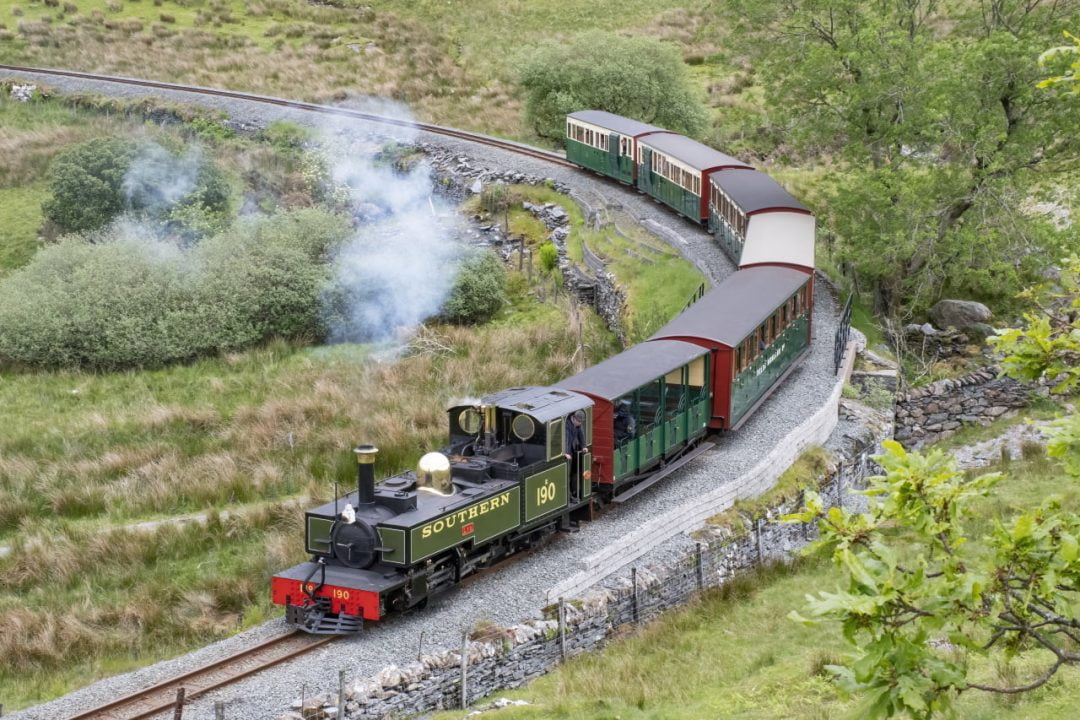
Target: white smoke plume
x: 157, y: 179
x: 399, y: 268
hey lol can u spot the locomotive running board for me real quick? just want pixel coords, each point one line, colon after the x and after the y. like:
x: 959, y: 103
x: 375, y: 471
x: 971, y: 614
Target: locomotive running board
x: 664, y: 472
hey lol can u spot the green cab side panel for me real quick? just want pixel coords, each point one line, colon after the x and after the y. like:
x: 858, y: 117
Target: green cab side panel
x: 479, y: 522
x: 545, y: 492
x: 755, y: 380
x: 393, y: 538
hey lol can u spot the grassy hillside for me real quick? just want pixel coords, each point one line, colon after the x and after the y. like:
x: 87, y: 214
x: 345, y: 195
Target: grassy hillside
x: 733, y: 654
x: 450, y: 61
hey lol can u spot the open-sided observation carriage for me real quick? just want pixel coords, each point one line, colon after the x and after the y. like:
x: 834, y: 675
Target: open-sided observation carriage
x: 508, y: 476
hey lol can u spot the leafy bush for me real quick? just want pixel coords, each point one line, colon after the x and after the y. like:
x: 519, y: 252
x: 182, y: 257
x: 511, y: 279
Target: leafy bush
x: 93, y: 182
x: 86, y: 184
x: 478, y: 291
x: 640, y: 78
x: 128, y: 300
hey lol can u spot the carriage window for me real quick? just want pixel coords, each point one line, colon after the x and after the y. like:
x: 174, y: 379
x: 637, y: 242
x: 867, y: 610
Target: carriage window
x: 675, y: 392
x: 625, y: 420
x: 650, y: 410
x: 737, y: 363
x: 696, y: 376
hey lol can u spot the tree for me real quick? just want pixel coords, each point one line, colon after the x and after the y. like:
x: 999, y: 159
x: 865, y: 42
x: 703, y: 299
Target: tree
x: 907, y: 597
x: 86, y: 184
x: 478, y: 291
x: 637, y: 77
x: 931, y: 115
x: 1070, y: 74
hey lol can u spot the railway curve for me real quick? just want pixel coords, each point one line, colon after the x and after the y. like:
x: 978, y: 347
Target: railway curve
x: 516, y: 592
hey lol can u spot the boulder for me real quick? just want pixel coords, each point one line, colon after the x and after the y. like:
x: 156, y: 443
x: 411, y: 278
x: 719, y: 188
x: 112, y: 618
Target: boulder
x: 960, y: 314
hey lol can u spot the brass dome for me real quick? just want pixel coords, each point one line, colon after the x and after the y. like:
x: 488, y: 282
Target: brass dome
x: 433, y: 472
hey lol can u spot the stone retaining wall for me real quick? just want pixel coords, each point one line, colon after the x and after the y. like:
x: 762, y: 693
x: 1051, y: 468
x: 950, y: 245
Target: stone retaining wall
x: 936, y: 411
x: 511, y: 657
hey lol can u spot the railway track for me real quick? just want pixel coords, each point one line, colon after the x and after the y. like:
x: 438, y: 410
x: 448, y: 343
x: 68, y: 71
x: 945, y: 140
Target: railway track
x: 161, y: 698
x: 508, y: 145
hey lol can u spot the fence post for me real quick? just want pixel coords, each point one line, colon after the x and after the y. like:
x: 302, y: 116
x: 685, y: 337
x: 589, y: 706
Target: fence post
x: 420, y: 646
x: 464, y: 670
x: 633, y: 599
x: 757, y: 536
x: 178, y: 710
x: 219, y: 710
x: 340, y: 695
x: 562, y: 630
x: 700, y: 570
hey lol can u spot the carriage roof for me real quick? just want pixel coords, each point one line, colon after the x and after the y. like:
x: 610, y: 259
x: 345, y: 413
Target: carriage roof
x: 691, y: 152
x: 633, y: 368
x: 754, y: 191
x: 732, y: 310
x: 615, y: 123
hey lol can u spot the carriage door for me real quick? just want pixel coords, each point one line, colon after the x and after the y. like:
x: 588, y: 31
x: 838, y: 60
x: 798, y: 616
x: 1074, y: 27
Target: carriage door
x: 645, y: 170
x: 613, y: 147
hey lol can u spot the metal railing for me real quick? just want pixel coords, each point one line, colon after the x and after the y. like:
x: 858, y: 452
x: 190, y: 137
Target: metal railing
x: 842, y: 333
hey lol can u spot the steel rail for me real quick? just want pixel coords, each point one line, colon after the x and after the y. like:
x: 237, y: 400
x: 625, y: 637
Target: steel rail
x: 508, y: 145
x: 162, y: 696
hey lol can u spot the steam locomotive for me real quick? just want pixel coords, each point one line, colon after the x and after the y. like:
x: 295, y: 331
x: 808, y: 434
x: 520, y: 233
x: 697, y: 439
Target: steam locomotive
x: 527, y: 462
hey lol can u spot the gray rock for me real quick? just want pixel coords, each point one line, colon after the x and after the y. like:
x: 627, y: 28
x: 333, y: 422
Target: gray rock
x: 978, y: 332
x: 960, y: 314
x: 476, y: 188
x: 927, y: 329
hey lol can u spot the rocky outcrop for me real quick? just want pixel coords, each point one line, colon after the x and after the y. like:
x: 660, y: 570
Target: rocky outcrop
x: 936, y: 411
x: 959, y: 314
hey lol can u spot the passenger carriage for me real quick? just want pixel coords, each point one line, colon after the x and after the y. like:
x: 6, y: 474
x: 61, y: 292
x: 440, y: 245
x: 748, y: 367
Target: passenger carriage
x: 651, y: 404
x: 756, y: 325
x: 757, y: 221
x: 674, y: 169
x: 606, y: 143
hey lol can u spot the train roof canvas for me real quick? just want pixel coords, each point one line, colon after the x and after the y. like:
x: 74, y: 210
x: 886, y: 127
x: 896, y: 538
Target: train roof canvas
x: 615, y: 123
x: 754, y: 191
x: 633, y: 368
x: 732, y: 310
x: 691, y: 152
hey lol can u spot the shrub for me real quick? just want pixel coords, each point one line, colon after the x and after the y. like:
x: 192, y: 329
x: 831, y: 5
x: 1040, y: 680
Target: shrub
x: 640, y: 78
x: 129, y: 300
x: 478, y: 290
x: 549, y: 256
x: 86, y: 182
x: 165, y: 18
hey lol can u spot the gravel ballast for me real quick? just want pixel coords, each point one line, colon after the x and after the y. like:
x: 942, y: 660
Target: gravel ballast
x: 516, y: 590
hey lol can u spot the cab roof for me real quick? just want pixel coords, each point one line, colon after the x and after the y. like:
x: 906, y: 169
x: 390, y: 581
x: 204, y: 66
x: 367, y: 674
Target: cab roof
x: 542, y: 403
x: 734, y: 308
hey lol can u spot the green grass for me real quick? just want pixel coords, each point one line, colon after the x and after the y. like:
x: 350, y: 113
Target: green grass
x: 733, y: 654
x: 657, y: 280
x: 20, y: 219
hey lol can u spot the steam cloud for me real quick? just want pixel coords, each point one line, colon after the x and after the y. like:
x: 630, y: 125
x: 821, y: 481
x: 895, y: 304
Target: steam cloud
x: 399, y: 268
x: 157, y: 179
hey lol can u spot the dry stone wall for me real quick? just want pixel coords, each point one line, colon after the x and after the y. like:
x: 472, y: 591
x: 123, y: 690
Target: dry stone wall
x: 936, y: 411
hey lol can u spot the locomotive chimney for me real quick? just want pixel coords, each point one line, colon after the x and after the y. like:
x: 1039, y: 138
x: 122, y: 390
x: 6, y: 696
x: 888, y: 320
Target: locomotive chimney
x: 365, y: 473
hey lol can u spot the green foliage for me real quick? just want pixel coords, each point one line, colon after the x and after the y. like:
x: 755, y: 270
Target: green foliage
x: 129, y: 300
x: 1062, y: 55
x: 86, y: 184
x: 638, y: 77
x: 1019, y: 591
x: 934, y: 112
x: 549, y: 256
x: 478, y: 292
x: 94, y: 182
